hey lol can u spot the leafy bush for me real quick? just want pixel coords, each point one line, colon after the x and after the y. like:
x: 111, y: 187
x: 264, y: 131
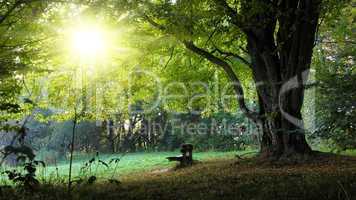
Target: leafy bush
x: 334, y: 62
x: 336, y: 116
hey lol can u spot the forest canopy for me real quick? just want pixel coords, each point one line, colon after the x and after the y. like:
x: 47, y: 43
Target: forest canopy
x: 94, y: 89
x: 272, y: 77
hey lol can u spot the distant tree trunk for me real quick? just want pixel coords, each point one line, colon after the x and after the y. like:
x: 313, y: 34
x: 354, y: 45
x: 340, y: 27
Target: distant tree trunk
x: 130, y: 138
x: 111, y: 135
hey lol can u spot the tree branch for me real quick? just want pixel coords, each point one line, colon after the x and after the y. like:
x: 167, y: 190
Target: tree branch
x: 153, y: 23
x: 231, y: 54
x: 231, y: 74
x: 11, y: 9
x: 170, y: 58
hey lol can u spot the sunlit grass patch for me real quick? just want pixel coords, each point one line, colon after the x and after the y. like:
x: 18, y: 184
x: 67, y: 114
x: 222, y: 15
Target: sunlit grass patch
x: 128, y: 164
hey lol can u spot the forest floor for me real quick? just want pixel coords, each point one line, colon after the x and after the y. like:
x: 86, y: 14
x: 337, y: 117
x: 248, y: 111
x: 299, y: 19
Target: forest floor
x: 127, y: 164
x: 219, y: 178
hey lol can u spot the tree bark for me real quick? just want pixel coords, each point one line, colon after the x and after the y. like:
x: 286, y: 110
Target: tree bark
x: 280, y: 137
x: 280, y: 66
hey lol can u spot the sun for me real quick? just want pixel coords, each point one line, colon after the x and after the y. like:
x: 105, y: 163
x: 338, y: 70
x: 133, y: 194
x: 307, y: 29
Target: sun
x: 88, y: 42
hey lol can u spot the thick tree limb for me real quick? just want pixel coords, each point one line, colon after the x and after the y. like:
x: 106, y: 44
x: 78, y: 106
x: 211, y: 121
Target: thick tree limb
x: 153, y: 23
x: 231, y: 54
x: 231, y: 74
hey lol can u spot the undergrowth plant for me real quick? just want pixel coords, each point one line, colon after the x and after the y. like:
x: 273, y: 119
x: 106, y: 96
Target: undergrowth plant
x: 89, y: 171
x: 27, y: 179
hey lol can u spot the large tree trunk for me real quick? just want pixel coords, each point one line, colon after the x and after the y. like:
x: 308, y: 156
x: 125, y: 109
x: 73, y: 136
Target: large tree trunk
x: 280, y: 64
x: 280, y: 102
x: 280, y: 136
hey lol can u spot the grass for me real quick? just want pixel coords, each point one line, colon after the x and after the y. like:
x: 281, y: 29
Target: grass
x: 129, y: 164
x: 218, y: 175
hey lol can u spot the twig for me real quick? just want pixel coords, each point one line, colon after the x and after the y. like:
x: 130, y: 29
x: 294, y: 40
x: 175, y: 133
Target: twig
x: 72, y: 150
x: 343, y: 189
x: 170, y: 58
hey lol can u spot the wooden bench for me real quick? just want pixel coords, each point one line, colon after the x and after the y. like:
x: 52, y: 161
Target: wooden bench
x: 186, y: 159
